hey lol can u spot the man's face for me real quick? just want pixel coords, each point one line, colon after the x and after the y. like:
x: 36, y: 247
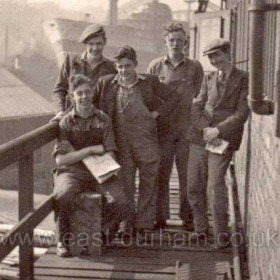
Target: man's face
x: 94, y: 46
x: 126, y: 68
x: 175, y: 42
x: 220, y: 59
x: 83, y: 96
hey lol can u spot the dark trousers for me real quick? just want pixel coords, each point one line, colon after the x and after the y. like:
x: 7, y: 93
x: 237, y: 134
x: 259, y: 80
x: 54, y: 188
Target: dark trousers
x: 66, y: 188
x: 206, y: 176
x: 173, y: 147
x: 145, y: 158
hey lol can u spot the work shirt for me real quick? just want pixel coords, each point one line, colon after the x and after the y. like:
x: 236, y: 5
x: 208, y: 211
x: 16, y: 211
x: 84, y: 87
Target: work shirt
x: 78, y: 65
x: 186, y: 78
x: 78, y: 133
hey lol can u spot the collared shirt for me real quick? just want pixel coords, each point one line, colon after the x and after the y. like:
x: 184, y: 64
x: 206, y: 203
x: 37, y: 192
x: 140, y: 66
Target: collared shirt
x: 78, y: 65
x: 76, y: 133
x: 126, y: 92
x: 186, y: 78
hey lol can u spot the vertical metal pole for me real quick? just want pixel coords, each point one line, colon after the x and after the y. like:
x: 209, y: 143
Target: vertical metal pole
x: 26, y: 256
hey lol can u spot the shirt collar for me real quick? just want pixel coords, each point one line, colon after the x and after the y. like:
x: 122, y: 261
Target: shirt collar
x: 83, y: 57
x: 167, y: 60
x: 225, y: 74
x: 118, y: 80
x: 74, y: 114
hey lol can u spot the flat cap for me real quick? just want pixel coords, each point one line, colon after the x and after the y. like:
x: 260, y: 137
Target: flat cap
x: 216, y: 45
x: 92, y: 31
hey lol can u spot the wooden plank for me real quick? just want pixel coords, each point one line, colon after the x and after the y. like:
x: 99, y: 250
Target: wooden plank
x: 86, y: 265
x: 19, y: 147
x: 30, y: 221
x: 25, y: 201
x: 51, y: 257
x: 88, y: 274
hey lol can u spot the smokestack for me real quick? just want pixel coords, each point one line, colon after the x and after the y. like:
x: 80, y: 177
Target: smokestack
x: 113, y: 12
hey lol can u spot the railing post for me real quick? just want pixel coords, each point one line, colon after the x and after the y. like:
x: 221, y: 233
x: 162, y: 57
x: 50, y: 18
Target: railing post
x: 25, y: 202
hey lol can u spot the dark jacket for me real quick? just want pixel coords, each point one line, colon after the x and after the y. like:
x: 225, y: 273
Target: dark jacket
x: 153, y: 92
x: 77, y: 64
x: 229, y: 113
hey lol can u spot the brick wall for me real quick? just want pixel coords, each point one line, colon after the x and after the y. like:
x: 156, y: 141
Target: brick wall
x: 258, y: 178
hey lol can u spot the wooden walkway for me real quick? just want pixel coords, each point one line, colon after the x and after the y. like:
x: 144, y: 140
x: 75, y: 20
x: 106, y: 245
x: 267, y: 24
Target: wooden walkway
x: 161, y: 255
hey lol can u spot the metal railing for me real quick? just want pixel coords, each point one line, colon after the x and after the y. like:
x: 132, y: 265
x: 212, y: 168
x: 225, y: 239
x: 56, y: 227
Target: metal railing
x: 21, y: 150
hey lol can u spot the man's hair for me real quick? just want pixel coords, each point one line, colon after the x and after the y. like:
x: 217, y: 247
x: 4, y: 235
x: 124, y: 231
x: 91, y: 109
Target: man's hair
x: 126, y: 52
x: 173, y: 27
x: 78, y: 80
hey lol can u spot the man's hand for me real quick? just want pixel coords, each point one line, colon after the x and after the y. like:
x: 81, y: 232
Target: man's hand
x: 210, y: 133
x: 58, y: 117
x: 155, y: 114
x: 216, y: 142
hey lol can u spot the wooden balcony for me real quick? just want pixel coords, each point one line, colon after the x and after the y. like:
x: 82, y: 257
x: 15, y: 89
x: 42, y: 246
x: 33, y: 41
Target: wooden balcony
x: 163, y: 255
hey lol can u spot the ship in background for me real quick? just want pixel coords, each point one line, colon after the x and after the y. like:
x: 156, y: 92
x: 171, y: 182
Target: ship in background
x: 136, y: 23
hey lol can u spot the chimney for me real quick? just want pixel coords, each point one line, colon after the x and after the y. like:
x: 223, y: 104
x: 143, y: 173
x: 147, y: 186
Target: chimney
x: 113, y: 12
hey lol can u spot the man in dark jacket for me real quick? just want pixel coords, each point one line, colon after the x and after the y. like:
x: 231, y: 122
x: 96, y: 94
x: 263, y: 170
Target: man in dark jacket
x: 134, y: 102
x: 218, y: 116
x: 90, y: 63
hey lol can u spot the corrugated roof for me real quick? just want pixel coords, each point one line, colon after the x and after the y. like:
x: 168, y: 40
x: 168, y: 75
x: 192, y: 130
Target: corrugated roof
x: 18, y: 100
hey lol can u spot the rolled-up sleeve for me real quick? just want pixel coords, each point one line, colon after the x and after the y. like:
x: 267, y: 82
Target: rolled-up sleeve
x: 62, y: 145
x: 61, y: 88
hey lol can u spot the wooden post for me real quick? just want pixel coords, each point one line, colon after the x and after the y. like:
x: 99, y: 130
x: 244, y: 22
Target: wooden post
x: 25, y: 202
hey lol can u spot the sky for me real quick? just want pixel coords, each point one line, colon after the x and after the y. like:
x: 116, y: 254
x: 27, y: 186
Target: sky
x: 78, y: 4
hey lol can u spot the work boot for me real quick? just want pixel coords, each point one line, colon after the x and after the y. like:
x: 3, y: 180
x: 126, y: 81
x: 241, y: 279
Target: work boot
x: 62, y: 250
x: 160, y: 225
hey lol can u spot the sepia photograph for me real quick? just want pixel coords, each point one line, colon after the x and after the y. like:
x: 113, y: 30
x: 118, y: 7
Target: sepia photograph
x: 140, y: 139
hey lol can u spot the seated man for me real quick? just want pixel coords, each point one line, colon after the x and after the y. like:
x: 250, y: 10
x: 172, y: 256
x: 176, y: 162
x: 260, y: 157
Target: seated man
x: 83, y: 131
x: 134, y: 102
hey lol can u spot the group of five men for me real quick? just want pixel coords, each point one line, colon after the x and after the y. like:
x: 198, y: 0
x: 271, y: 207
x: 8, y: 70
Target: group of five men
x: 154, y: 118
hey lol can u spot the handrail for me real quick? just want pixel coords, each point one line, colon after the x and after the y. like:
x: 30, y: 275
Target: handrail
x: 17, y: 148
x: 21, y: 149
x: 13, y: 238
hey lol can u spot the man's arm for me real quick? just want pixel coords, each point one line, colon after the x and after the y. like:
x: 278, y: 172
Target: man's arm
x: 61, y: 88
x: 108, y: 136
x: 171, y: 98
x: 76, y: 156
x: 64, y: 152
x: 199, y: 120
x: 199, y: 74
x: 241, y: 114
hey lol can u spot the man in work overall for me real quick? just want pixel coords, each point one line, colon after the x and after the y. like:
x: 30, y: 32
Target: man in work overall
x: 218, y: 114
x: 90, y: 63
x: 134, y: 102
x: 184, y: 75
x: 83, y: 131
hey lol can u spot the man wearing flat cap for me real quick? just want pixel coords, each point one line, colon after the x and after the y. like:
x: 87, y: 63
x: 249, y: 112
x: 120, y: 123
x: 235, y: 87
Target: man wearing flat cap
x: 90, y: 63
x: 185, y: 76
x: 218, y: 116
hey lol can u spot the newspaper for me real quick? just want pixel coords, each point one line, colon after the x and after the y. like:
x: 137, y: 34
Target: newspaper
x: 221, y: 149
x: 102, y: 167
